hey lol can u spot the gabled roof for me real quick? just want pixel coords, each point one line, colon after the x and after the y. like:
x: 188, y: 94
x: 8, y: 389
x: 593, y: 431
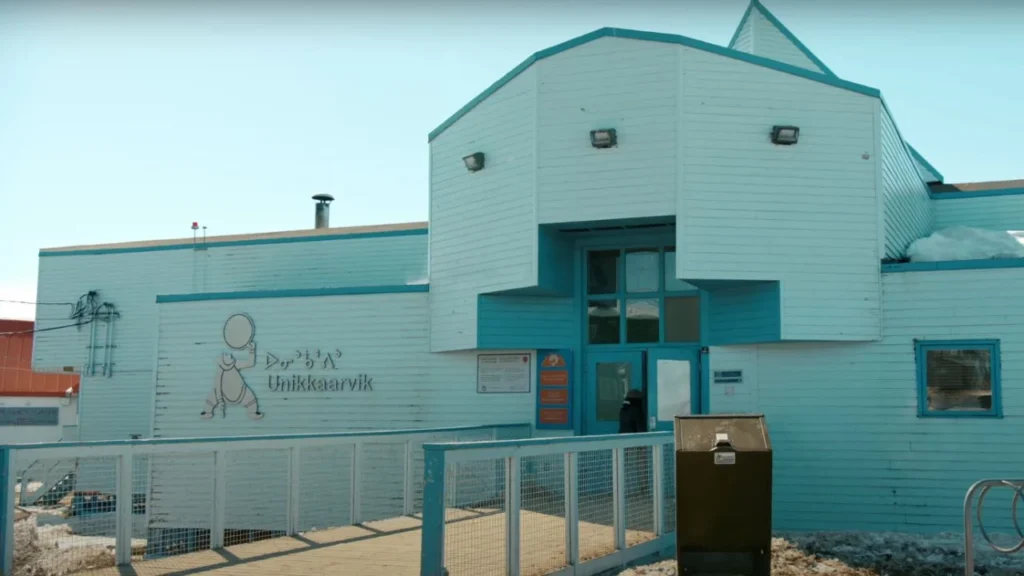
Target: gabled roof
x: 756, y: 8
x: 829, y: 79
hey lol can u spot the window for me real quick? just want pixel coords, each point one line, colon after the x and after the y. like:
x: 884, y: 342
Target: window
x: 633, y: 297
x: 603, y: 272
x: 613, y: 381
x: 682, y: 319
x: 958, y: 378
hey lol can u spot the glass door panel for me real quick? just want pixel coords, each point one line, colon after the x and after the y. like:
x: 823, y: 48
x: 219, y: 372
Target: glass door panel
x: 610, y: 375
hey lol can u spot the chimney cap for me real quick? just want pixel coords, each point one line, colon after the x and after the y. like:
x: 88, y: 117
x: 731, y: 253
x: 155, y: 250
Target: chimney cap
x: 323, y: 198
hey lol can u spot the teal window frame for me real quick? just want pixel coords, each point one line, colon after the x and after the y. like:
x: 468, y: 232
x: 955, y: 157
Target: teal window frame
x: 622, y: 296
x: 921, y: 349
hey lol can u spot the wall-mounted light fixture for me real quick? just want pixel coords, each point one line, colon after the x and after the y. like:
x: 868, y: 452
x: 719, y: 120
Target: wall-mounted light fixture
x: 785, y: 135
x: 603, y: 138
x: 474, y: 162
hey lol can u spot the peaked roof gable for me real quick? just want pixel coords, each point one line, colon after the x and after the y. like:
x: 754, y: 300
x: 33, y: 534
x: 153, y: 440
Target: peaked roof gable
x: 830, y: 79
x: 751, y: 28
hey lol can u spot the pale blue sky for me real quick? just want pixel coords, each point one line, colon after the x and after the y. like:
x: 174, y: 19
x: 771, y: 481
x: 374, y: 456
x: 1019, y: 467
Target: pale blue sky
x: 122, y: 123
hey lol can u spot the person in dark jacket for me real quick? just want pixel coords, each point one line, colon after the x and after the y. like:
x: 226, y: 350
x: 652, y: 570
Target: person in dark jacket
x: 631, y: 415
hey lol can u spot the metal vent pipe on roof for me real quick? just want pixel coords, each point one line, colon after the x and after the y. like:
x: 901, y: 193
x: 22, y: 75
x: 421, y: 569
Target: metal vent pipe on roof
x: 323, y: 210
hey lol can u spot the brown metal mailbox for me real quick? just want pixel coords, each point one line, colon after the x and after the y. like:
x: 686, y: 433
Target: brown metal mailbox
x: 723, y: 494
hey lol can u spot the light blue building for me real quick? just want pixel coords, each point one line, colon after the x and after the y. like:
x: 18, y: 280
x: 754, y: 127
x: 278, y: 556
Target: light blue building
x: 724, y: 228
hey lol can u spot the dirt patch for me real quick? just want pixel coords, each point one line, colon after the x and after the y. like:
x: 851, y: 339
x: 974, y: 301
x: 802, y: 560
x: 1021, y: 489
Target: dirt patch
x: 868, y: 554
x: 36, y: 552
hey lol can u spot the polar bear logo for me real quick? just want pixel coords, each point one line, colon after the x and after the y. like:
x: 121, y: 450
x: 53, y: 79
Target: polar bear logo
x: 229, y: 385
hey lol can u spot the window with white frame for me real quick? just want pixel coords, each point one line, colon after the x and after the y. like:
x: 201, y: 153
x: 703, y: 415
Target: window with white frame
x: 958, y: 378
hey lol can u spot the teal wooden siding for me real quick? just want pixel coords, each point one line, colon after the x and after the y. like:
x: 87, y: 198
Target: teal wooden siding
x: 116, y: 407
x: 607, y: 83
x: 771, y: 39
x: 805, y: 215
x: 743, y: 39
x: 745, y: 313
x: 483, y: 225
x: 991, y: 212
x: 850, y: 451
x: 907, y: 207
x: 527, y: 322
x: 383, y: 336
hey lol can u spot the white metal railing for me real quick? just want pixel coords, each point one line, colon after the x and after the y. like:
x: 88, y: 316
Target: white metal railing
x: 567, y: 505
x: 980, y: 489
x: 156, y: 498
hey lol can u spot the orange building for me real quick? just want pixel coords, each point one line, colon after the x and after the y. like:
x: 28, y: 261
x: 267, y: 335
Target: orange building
x: 34, y: 407
x: 16, y: 375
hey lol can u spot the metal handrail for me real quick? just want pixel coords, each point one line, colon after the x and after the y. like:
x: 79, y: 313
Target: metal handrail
x: 984, y: 486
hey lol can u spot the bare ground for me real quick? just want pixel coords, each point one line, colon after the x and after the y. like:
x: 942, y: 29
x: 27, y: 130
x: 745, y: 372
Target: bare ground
x: 868, y: 554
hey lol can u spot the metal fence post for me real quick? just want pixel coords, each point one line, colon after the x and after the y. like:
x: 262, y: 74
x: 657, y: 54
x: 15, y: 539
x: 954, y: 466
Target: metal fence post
x: 220, y: 468
x: 7, y: 485
x: 354, y: 504
x: 123, y: 511
x: 572, y: 510
x: 512, y: 501
x: 657, y: 463
x: 619, y: 496
x: 294, y: 489
x: 432, y: 531
x: 407, y: 499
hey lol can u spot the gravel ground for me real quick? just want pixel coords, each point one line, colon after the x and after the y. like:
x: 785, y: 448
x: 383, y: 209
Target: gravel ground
x: 868, y: 554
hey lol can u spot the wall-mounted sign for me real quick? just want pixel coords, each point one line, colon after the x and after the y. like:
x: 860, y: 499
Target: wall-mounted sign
x: 503, y: 374
x: 555, y: 390
x: 553, y: 418
x: 29, y: 416
x: 727, y: 377
x: 230, y: 386
x: 556, y: 397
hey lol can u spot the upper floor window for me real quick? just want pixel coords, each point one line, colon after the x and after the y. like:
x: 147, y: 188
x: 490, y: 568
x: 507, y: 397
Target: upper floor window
x: 958, y: 378
x: 633, y: 297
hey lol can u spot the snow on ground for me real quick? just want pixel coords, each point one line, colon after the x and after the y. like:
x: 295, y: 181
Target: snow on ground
x: 868, y: 554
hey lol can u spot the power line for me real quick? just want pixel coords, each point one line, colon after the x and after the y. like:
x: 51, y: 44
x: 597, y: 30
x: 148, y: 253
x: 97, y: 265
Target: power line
x: 47, y: 329
x: 37, y: 303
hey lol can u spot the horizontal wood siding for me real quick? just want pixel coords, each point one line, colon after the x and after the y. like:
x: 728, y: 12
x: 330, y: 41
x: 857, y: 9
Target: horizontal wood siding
x: 118, y: 406
x: 745, y: 36
x: 747, y: 313
x: 806, y: 215
x: 527, y: 322
x: 992, y: 212
x: 850, y: 451
x: 908, y: 209
x: 483, y: 225
x: 628, y: 85
x: 383, y: 336
x: 770, y: 42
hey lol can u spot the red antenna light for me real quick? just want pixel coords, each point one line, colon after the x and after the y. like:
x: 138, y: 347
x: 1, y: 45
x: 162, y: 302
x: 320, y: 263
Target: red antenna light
x: 195, y: 225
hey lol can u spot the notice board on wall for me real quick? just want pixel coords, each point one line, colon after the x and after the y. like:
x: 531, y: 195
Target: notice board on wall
x: 554, y: 390
x: 503, y: 374
x: 29, y: 416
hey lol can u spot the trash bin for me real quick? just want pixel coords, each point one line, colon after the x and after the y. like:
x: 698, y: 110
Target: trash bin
x: 723, y: 495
